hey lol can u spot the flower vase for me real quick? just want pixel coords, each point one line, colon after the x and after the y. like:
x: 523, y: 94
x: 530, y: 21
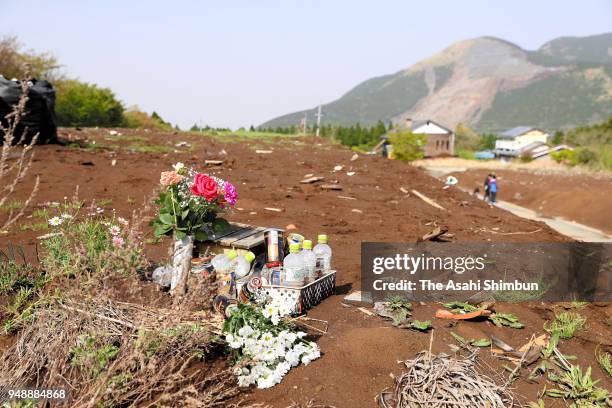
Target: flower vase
x: 181, y: 264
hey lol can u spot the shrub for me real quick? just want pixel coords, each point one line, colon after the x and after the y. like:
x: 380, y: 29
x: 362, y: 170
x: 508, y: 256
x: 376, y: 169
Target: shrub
x: 566, y: 324
x: 407, y: 146
x: 82, y: 104
x: 135, y: 118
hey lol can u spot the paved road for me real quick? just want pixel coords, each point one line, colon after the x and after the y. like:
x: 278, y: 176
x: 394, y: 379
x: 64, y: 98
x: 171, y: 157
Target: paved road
x: 572, y: 229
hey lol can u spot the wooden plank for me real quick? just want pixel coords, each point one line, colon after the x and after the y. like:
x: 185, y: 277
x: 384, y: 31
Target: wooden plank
x: 250, y: 241
x: 427, y: 200
x: 331, y: 187
x: 232, y: 229
x: 228, y: 240
x: 312, y: 179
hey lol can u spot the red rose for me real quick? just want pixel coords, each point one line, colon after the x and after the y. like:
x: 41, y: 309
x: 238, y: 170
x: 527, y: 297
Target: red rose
x: 204, y: 186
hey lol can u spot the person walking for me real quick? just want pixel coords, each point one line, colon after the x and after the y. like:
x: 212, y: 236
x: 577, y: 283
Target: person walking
x: 485, y: 195
x: 492, y: 188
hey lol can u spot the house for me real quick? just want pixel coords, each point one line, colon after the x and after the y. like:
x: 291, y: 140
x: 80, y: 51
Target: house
x: 513, y: 141
x: 440, y: 140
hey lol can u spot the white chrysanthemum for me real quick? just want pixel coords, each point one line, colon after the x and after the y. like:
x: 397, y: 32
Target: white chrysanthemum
x: 233, y: 341
x: 55, y: 221
x: 178, y: 166
x: 246, y: 331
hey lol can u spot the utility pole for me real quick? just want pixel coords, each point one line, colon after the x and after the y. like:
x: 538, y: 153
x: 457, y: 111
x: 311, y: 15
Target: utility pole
x: 318, y: 119
x: 304, y: 123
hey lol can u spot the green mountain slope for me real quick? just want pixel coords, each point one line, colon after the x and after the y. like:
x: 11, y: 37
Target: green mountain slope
x: 488, y: 83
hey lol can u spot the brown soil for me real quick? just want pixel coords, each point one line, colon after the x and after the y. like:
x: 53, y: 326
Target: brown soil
x: 360, y: 351
x: 583, y: 198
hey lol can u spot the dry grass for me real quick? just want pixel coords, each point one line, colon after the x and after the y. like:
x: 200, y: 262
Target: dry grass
x: 15, y: 159
x: 113, y: 353
x: 443, y: 381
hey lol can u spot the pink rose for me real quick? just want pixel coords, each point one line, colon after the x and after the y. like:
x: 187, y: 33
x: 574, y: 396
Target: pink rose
x: 170, y: 178
x: 204, y: 186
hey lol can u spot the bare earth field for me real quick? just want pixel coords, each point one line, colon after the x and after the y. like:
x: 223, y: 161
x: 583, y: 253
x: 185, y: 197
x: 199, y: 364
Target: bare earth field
x: 583, y: 198
x: 360, y: 351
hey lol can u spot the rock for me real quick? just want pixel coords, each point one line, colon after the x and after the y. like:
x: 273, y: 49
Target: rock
x: 162, y: 275
x: 355, y: 157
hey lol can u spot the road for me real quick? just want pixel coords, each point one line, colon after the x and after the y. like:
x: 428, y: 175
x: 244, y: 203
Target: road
x: 571, y: 229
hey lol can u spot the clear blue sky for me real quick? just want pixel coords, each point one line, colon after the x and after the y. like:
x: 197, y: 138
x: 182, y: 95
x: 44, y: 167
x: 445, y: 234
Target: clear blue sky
x: 236, y: 63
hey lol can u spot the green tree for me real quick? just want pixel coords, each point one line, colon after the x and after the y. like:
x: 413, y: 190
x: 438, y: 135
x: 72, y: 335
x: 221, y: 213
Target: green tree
x: 407, y: 146
x: 15, y: 62
x: 82, y: 104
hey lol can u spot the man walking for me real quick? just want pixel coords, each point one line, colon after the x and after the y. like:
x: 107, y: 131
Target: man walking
x: 492, y: 188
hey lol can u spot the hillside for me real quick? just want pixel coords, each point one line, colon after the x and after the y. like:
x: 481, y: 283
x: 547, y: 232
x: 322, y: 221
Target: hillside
x: 488, y: 83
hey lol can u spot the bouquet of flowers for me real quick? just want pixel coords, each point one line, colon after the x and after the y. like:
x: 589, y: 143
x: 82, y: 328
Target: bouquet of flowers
x: 264, y: 346
x: 190, y: 203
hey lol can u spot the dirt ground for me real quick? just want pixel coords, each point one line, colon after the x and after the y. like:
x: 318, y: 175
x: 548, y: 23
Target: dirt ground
x: 360, y: 352
x: 583, y: 198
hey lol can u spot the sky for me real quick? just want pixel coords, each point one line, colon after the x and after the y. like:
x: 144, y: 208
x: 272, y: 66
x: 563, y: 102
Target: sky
x: 238, y: 63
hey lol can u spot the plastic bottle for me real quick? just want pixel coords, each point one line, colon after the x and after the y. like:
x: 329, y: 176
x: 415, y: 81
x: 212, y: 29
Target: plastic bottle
x: 225, y: 277
x: 223, y: 262
x: 241, y: 265
x: 294, y: 267
x: 323, y: 254
x: 310, y: 261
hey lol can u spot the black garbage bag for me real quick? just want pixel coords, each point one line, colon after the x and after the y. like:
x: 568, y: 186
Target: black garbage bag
x: 40, y: 110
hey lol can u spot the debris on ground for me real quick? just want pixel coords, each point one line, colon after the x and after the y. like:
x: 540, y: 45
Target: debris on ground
x: 311, y: 179
x: 338, y: 167
x: 444, y: 381
x: 354, y: 157
x: 350, y: 173
x: 331, y: 187
x: 403, y: 190
x: 355, y: 210
x: 438, y: 234
x: 447, y: 314
x: 346, y: 197
x: 427, y: 200
x: 213, y: 162
x: 263, y: 151
x: 451, y: 181
x: 273, y: 209
x: 182, y: 144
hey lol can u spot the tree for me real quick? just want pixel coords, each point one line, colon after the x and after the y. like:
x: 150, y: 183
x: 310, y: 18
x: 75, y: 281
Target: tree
x: 82, y: 104
x: 15, y: 63
x: 407, y: 146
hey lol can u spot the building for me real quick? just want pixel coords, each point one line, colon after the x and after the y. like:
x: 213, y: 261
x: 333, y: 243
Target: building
x: 440, y: 140
x: 514, y: 141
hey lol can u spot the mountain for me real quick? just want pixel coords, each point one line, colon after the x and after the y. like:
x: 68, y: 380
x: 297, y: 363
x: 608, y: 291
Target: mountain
x: 489, y: 84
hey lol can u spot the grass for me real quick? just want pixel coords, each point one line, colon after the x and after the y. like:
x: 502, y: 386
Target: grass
x: 566, y: 324
x: 229, y: 136
x: 605, y: 361
x: 105, y: 201
x: 92, y: 355
x: 37, y: 226
x: 579, y: 387
x: 11, y: 205
x: 515, y: 296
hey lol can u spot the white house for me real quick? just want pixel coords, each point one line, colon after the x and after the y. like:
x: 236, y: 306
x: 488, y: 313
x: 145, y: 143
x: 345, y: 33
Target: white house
x: 512, y: 142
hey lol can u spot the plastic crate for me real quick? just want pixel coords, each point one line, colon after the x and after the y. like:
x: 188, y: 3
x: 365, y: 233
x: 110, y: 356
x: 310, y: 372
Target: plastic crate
x: 304, y: 297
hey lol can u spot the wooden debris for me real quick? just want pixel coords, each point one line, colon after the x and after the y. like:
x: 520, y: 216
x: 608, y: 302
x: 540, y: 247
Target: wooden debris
x: 355, y: 157
x: 213, y: 162
x: 355, y: 210
x: 263, y: 151
x: 447, y: 314
x: 273, y: 209
x: 312, y: 179
x: 331, y: 187
x: 346, y: 197
x: 403, y: 190
x: 427, y: 200
x: 437, y: 234
x: 366, y: 311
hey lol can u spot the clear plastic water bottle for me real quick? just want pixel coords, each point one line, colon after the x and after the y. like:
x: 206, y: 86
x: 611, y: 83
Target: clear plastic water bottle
x: 293, y: 267
x: 310, y: 261
x: 242, y: 264
x: 225, y: 276
x: 323, y: 254
x: 223, y: 262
